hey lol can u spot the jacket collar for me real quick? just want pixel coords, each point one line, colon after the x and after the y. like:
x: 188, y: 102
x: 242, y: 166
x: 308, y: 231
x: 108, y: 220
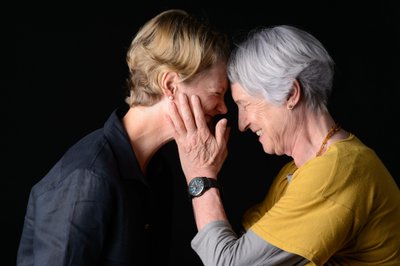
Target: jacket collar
x: 118, y: 138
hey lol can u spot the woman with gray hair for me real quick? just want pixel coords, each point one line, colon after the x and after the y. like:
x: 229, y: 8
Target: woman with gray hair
x: 335, y: 203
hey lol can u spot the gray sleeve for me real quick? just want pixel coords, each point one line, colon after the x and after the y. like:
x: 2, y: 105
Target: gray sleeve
x: 217, y: 244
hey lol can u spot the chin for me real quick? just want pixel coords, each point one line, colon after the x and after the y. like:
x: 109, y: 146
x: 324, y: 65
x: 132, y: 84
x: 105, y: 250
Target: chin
x: 268, y: 151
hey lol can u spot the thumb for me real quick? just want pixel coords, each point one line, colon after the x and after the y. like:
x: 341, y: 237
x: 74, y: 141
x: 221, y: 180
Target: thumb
x: 221, y: 130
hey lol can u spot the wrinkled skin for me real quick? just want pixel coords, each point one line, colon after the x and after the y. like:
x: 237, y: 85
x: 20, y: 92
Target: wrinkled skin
x: 201, y: 152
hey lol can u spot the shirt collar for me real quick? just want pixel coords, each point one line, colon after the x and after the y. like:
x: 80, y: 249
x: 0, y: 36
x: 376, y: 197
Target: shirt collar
x: 119, y: 141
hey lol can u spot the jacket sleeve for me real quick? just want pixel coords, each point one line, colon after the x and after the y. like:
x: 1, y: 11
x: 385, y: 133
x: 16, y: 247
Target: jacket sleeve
x: 66, y: 223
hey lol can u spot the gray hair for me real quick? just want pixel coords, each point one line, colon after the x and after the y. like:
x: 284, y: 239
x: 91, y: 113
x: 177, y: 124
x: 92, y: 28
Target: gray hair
x: 271, y: 58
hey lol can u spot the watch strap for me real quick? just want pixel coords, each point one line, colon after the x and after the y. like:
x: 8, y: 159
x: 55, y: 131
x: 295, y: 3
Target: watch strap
x: 212, y: 182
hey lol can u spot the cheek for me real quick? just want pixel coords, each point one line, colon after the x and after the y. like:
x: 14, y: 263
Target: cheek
x: 209, y: 103
x: 209, y: 109
x: 257, y: 116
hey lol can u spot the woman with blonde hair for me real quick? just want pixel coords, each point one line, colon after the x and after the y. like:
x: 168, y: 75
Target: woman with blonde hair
x: 107, y: 201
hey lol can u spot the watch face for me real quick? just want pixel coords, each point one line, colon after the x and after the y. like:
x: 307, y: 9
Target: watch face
x: 196, y: 186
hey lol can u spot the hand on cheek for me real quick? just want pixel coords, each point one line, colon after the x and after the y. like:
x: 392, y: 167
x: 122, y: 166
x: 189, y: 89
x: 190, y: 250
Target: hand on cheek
x: 201, y: 153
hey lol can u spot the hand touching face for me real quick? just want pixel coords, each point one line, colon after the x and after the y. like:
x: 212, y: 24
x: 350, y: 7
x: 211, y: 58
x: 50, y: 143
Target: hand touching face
x: 201, y: 153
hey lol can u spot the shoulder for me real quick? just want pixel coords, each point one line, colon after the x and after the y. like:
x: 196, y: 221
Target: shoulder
x: 81, y: 161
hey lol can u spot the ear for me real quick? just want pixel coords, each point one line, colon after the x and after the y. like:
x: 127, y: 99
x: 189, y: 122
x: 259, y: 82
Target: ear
x: 169, y: 81
x: 294, y: 96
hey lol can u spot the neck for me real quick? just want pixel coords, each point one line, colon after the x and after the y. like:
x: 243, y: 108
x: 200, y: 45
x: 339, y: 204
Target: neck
x: 148, y: 130
x: 311, y: 137
x: 332, y: 131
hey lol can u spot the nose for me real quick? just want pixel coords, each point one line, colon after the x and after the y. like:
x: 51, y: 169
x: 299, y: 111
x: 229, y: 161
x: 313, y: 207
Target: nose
x: 222, y: 109
x: 242, y: 122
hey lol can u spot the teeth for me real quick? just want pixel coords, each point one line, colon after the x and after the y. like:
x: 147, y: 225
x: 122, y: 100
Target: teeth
x: 259, y: 132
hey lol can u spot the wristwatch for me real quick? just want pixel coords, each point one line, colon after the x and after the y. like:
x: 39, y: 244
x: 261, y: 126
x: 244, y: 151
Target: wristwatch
x: 198, y: 185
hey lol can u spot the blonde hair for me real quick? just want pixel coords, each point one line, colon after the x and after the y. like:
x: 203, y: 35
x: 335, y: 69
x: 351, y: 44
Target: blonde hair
x: 171, y: 41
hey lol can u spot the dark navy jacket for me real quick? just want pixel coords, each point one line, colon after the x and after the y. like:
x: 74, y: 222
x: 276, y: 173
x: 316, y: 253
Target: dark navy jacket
x: 96, y: 207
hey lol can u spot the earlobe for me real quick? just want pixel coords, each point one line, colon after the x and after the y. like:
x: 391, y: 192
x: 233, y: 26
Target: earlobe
x: 171, y: 92
x: 168, y: 84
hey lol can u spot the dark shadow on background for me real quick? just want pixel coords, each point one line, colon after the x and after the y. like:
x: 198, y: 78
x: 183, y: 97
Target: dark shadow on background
x: 71, y: 71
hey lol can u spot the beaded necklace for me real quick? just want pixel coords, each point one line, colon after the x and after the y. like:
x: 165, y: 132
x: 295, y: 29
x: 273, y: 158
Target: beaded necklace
x: 335, y: 128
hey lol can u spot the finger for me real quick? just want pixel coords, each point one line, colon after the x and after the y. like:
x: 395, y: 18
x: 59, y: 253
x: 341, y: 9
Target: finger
x: 186, y: 113
x: 222, y: 132
x: 175, y: 119
x: 199, y: 116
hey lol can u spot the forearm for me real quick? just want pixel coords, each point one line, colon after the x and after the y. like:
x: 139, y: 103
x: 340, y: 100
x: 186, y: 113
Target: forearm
x: 217, y: 244
x: 208, y: 208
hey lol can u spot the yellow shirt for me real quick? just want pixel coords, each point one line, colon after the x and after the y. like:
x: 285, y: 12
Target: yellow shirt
x: 342, y: 208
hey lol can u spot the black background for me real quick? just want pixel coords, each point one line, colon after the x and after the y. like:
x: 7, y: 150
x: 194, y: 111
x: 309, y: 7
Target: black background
x: 70, y: 74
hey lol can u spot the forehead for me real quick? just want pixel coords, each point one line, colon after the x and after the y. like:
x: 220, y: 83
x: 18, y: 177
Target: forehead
x: 238, y: 92
x: 214, y: 78
x: 242, y: 97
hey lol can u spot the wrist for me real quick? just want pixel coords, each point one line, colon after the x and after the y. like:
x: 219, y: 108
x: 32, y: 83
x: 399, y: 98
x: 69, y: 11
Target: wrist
x: 194, y: 174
